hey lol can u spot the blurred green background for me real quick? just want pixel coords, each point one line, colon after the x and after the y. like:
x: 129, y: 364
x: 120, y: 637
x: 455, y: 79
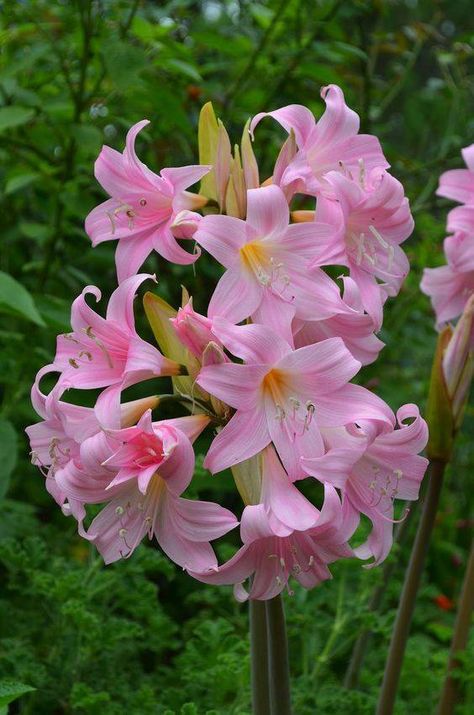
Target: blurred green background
x: 141, y: 637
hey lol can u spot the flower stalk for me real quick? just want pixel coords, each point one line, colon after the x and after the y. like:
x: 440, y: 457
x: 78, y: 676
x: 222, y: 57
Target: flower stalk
x: 451, y: 692
x: 278, y: 662
x: 259, y: 658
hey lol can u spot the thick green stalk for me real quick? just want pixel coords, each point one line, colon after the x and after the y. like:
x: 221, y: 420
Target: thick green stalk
x: 278, y: 663
x: 410, y: 589
x: 450, y: 695
x: 259, y: 658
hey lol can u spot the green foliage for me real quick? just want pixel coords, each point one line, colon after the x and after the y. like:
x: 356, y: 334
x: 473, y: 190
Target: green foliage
x: 140, y: 637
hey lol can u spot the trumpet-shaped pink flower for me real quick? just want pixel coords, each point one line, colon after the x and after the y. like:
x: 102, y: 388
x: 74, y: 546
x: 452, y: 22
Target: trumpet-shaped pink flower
x: 373, y: 469
x: 451, y: 286
x: 56, y: 441
x: 267, y: 263
x: 326, y: 145
x: 375, y: 218
x: 298, y: 551
x: 106, y: 351
x: 458, y: 184
x: 142, y: 471
x: 142, y: 207
x: 283, y: 396
x: 350, y: 323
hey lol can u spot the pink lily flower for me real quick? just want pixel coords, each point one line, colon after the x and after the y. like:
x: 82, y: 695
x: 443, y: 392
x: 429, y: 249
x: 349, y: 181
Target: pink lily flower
x: 152, y: 468
x: 352, y: 324
x: 267, y: 262
x: 458, y: 184
x: 376, y: 218
x: 302, y: 552
x: 104, y: 351
x: 142, y: 207
x: 56, y: 441
x: 449, y: 288
x: 283, y: 396
x: 326, y: 145
x: 372, y: 469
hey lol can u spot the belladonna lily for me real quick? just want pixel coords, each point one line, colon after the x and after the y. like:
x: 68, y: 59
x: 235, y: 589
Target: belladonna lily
x: 325, y: 145
x: 372, y: 469
x: 350, y: 323
x: 142, y: 207
x: 267, y: 262
x: 105, y: 351
x: 56, y: 441
x: 458, y: 184
x: 283, y: 396
x: 284, y: 536
x: 142, y: 471
x: 451, y: 286
x: 375, y: 218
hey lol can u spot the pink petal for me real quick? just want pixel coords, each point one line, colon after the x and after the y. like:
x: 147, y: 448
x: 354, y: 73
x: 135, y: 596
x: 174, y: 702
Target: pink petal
x: 130, y: 254
x: 183, y: 177
x: 244, y: 435
x: 294, y: 117
x: 282, y: 497
x: 338, y: 121
x: 222, y: 237
x: 321, y: 368
x: 202, y: 520
x: 236, y: 385
x: 350, y: 404
x: 267, y: 211
x: 192, y: 555
x: 236, y: 296
x: 458, y: 185
x: 120, y: 307
x: 252, y: 343
x: 166, y: 245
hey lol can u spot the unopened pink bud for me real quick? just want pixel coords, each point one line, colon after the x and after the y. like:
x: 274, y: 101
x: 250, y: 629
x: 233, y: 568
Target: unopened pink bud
x: 185, y: 224
x: 458, y: 360
x: 193, y: 329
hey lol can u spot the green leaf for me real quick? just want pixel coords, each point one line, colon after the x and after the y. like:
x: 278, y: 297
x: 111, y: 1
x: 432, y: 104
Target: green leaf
x: 14, y: 116
x: 10, y: 690
x: 15, y: 299
x: 184, y: 68
x: 20, y: 181
x: 8, y: 454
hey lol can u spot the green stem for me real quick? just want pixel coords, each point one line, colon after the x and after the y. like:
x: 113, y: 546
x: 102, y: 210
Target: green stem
x: 259, y: 658
x: 450, y: 695
x: 410, y: 589
x: 278, y: 663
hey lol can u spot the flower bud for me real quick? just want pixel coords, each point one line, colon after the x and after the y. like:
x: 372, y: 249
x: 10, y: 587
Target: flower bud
x: 458, y: 362
x: 193, y: 329
x: 439, y: 410
x: 185, y: 224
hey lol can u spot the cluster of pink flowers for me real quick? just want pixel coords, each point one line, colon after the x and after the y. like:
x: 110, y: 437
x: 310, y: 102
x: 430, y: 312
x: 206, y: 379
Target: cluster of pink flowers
x: 268, y: 369
x: 451, y: 287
